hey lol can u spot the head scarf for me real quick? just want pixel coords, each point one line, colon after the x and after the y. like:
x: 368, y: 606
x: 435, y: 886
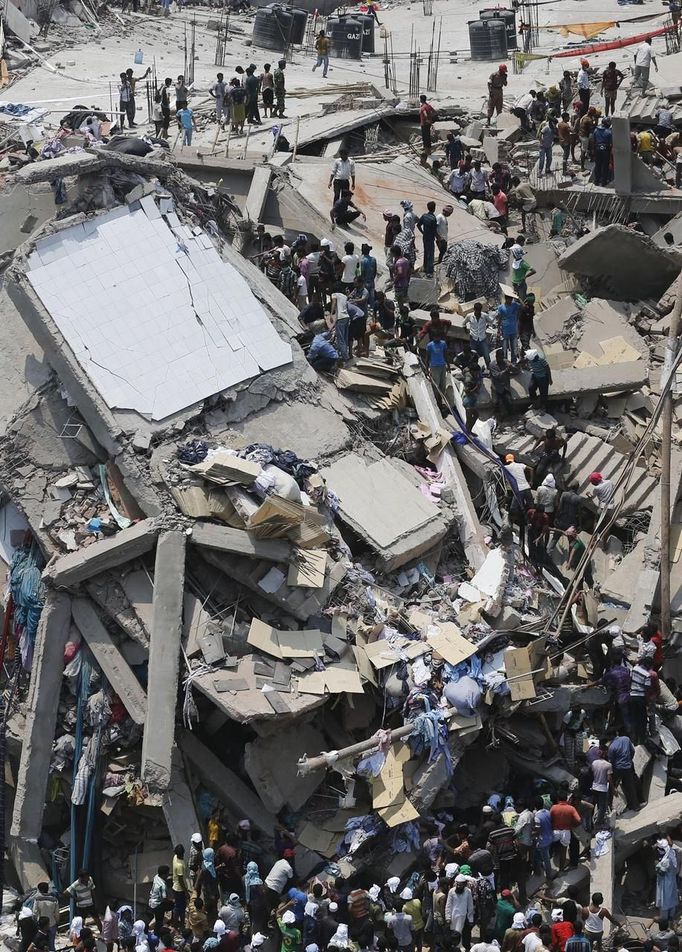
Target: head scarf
x: 451, y: 870
x: 406, y: 894
x: 509, y: 800
x: 519, y: 921
x: 313, y: 947
x: 211, y: 943
x: 557, y: 915
x: 311, y: 909
x: 208, y: 856
x: 251, y: 878
x: 246, y: 824
x: 219, y: 927
x: 392, y: 882
x: 550, y: 482
x: 406, y: 205
x: 138, y: 928
x: 374, y: 892
x: 257, y: 939
x: 196, y: 838
x: 340, y: 938
x: 234, y: 900
x: 74, y: 928
x: 531, y: 354
x: 288, y: 918
x: 333, y: 907
x: 459, y: 878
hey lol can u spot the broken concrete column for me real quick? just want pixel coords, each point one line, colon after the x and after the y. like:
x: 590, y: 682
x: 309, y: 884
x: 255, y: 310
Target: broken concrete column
x: 128, y: 544
x: 178, y: 803
x: 41, y: 719
x: 164, y: 659
x: 110, y: 659
x: 470, y: 531
x: 224, y: 784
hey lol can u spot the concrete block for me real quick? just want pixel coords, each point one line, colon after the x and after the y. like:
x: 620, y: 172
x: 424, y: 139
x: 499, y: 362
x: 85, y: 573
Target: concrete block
x: 424, y: 291
x: 178, y: 803
x: 653, y: 818
x: 271, y: 774
x: 602, y: 876
x: 224, y: 784
x: 128, y: 544
x: 537, y: 422
x: 639, y: 270
x: 110, y: 659
x: 41, y: 719
x: 164, y: 659
x: 224, y: 539
x: 383, y: 508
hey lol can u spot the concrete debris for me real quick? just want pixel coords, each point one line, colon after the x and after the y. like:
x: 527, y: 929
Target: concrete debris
x: 332, y: 523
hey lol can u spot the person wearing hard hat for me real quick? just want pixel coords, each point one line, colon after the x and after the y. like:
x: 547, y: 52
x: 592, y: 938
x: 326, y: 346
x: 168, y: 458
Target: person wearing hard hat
x: 496, y: 84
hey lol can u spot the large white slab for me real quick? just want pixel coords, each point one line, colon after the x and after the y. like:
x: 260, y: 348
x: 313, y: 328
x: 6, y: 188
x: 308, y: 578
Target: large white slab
x: 153, y: 315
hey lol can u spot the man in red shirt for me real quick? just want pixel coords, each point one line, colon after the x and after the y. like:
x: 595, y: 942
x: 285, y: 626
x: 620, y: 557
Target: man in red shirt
x: 564, y: 818
x: 436, y: 328
x: 427, y: 117
x: 501, y: 203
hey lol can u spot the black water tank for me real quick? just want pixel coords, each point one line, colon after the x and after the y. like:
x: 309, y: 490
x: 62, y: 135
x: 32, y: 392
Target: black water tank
x: 479, y: 40
x: 299, y: 26
x: 367, y: 32
x: 497, y: 30
x: 509, y: 17
x: 346, y: 37
x: 272, y: 28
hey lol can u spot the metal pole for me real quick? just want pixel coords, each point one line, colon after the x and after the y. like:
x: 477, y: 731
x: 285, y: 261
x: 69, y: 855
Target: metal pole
x: 666, y: 439
x: 298, y: 125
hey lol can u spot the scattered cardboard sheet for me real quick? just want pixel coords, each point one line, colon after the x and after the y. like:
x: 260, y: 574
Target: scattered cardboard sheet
x: 450, y: 644
x: 307, y: 568
x: 389, y: 787
x: 285, y: 644
x: 399, y: 813
x: 224, y: 469
x: 382, y: 655
x: 339, y: 678
x: 364, y: 665
x: 275, y: 517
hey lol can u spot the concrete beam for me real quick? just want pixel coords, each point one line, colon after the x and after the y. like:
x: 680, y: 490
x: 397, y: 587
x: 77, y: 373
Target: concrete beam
x: 126, y: 545
x: 258, y: 193
x: 653, y: 818
x: 164, y: 659
x: 85, y: 163
x: 470, y: 531
x: 224, y: 539
x: 224, y: 784
x: 602, y: 879
x: 178, y: 803
x: 41, y: 718
x: 110, y: 659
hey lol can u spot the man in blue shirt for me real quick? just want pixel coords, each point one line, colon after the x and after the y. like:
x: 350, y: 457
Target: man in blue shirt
x: 438, y: 365
x: 543, y: 836
x: 540, y: 377
x: 620, y: 754
x: 322, y: 355
x: 603, y: 143
x: 508, y: 316
x: 187, y: 123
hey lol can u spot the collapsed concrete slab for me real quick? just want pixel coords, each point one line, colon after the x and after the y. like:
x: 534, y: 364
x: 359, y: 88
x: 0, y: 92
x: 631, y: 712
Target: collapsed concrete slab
x: 271, y: 774
x: 224, y: 784
x: 587, y: 454
x: 164, y: 659
x: 639, y: 270
x: 382, y: 507
x: 126, y: 545
x: 41, y: 720
x: 629, y: 831
x: 110, y: 659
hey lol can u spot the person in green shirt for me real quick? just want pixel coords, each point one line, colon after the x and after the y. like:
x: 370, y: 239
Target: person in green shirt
x: 504, y: 913
x: 291, y: 936
x: 521, y: 271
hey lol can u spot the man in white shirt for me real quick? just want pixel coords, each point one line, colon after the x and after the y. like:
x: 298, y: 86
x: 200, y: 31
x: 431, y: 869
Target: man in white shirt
x: 519, y: 474
x: 350, y: 262
x: 459, y: 906
x: 343, y: 174
x: 278, y: 877
x: 479, y: 181
x: 477, y: 324
x: 584, y: 86
x: 458, y: 182
x: 442, y: 230
x: 602, y: 491
x: 521, y: 107
x: 644, y: 57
